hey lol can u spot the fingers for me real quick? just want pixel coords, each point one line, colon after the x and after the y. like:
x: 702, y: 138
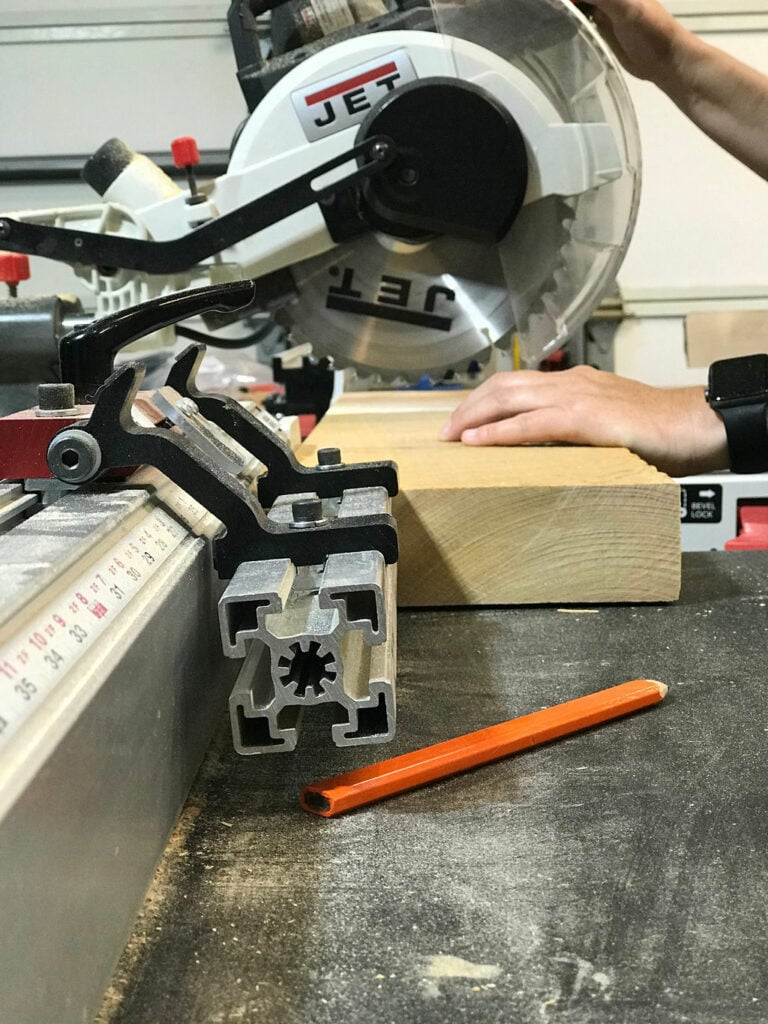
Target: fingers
x: 529, y: 407
x: 673, y: 429
x: 501, y: 396
x: 541, y: 426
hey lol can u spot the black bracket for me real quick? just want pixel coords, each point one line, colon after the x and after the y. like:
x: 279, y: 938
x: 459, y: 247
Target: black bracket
x: 285, y: 474
x: 249, y: 534
x: 307, y: 387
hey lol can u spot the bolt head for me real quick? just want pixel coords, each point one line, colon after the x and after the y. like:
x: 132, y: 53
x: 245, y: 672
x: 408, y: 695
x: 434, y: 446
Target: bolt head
x: 307, y: 511
x: 380, y: 150
x: 409, y: 176
x: 328, y: 457
x: 74, y: 456
x: 187, y: 407
x: 55, y: 397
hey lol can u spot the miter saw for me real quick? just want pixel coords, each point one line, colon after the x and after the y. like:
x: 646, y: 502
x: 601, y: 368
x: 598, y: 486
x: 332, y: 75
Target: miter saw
x: 413, y: 184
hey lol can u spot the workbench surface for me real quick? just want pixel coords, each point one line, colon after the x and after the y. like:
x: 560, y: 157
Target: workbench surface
x: 616, y: 876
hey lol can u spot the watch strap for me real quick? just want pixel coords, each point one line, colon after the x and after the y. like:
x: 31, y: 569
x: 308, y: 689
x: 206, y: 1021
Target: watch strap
x: 746, y: 428
x: 738, y: 393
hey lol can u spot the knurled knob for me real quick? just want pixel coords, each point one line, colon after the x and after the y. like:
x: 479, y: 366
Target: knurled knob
x: 185, y: 152
x: 55, y: 397
x: 14, y: 267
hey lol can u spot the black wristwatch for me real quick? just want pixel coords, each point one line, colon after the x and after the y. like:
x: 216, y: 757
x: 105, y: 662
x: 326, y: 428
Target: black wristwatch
x: 738, y: 392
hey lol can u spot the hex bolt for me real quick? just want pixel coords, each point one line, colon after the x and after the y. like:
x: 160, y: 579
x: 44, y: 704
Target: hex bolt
x: 187, y: 407
x: 74, y: 456
x: 55, y: 397
x: 307, y: 512
x: 328, y: 457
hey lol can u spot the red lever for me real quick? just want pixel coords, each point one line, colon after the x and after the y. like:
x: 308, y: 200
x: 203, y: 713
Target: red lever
x: 753, y: 529
x: 185, y: 152
x: 14, y: 267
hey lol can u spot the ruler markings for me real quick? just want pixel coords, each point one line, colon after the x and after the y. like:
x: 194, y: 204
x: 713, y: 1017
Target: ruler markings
x: 57, y: 638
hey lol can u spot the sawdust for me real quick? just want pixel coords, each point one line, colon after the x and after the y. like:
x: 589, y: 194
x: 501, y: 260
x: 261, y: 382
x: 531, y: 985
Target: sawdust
x: 145, y: 927
x: 455, y: 967
x: 442, y: 968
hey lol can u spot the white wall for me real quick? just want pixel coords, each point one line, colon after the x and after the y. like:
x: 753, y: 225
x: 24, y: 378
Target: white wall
x: 701, y: 230
x: 68, y: 88
x: 701, y: 241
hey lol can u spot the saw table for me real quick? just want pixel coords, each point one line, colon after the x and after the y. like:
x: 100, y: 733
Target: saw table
x: 618, y: 875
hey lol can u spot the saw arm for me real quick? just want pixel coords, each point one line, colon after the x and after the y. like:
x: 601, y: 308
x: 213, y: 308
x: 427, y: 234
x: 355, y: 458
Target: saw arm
x: 179, y: 254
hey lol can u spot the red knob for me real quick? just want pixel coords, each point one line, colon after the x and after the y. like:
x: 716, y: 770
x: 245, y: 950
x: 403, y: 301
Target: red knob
x: 14, y: 267
x: 185, y: 152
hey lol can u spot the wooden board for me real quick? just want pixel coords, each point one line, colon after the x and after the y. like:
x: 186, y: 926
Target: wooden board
x: 550, y: 524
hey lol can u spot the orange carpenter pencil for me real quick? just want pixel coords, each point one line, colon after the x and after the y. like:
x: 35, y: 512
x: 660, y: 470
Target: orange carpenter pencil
x: 366, y: 785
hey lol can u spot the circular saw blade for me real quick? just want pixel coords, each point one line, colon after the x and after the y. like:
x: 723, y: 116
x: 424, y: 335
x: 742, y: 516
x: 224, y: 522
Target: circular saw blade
x: 401, y: 310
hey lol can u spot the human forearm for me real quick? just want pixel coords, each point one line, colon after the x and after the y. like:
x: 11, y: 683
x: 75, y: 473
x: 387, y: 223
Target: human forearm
x: 727, y: 99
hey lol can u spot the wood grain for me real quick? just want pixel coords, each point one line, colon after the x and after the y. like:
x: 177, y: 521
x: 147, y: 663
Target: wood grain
x: 532, y: 525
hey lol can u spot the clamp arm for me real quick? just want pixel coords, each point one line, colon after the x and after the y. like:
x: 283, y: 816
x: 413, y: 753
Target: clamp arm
x: 285, y: 474
x: 110, y: 439
x: 87, y: 354
x: 87, y: 359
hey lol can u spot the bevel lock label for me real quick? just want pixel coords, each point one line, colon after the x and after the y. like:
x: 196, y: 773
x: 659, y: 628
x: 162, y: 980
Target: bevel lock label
x: 701, y: 503
x: 335, y: 103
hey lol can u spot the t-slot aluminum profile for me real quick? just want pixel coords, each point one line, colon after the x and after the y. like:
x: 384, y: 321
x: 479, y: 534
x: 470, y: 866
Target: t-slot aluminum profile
x: 312, y: 635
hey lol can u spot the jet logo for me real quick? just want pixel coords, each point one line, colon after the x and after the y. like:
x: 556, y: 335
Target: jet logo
x: 336, y: 103
x: 396, y: 298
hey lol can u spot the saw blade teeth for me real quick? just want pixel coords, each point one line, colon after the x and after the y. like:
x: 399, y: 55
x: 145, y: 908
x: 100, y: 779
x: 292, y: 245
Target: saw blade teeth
x: 548, y: 234
x: 393, y: 376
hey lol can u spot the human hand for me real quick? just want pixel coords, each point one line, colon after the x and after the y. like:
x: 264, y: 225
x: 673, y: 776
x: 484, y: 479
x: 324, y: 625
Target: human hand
x: 672, y: 428
x: 642, y: 33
